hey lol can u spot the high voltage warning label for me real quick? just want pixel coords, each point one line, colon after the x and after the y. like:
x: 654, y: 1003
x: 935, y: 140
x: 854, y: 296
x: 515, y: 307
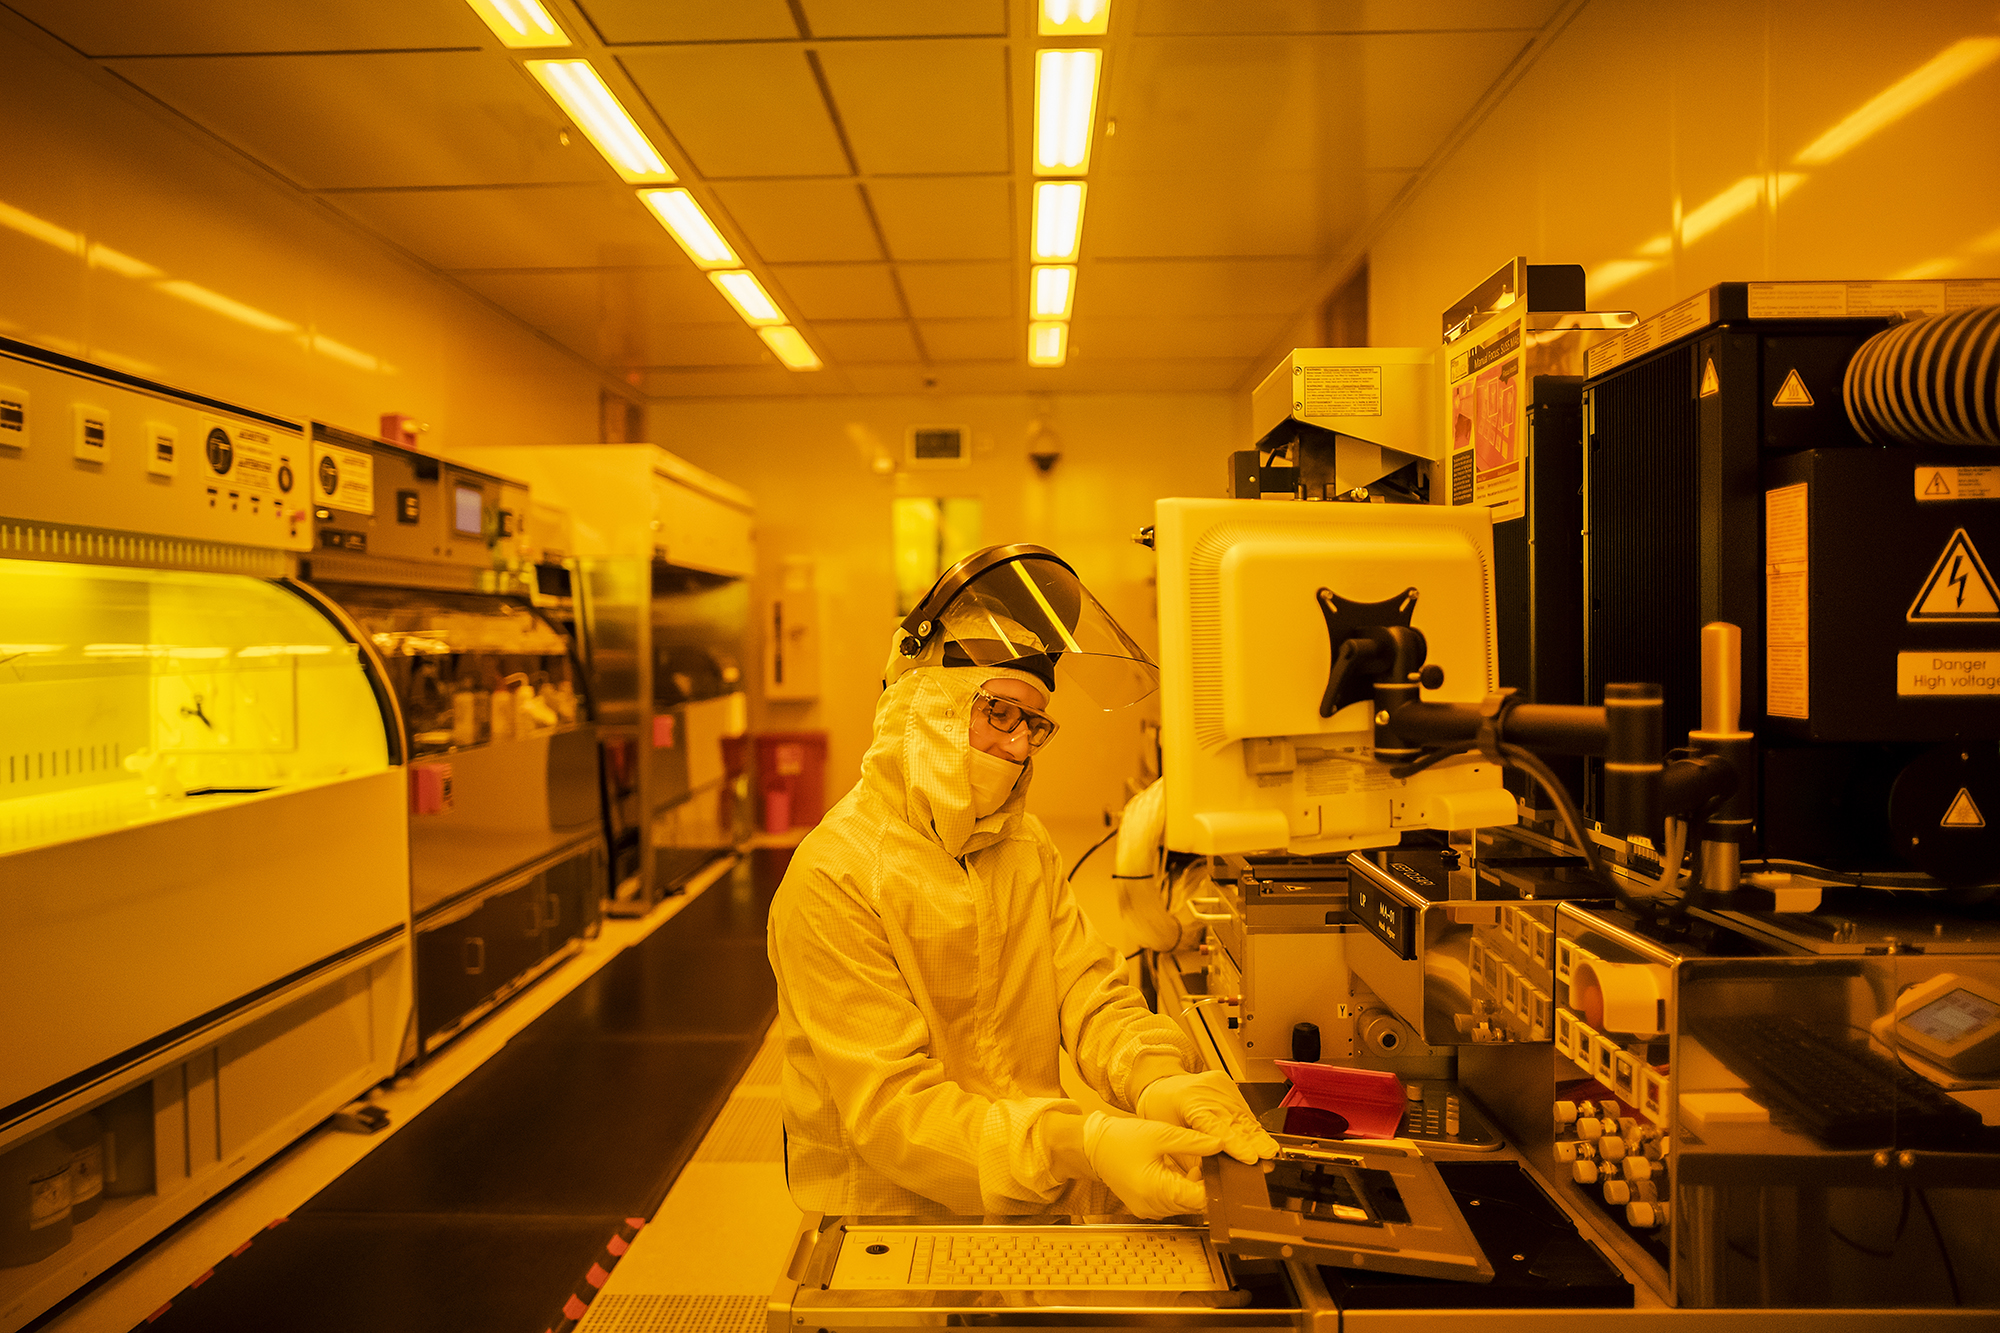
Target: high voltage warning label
x: 1959, y: 587
x: 1958, y: 483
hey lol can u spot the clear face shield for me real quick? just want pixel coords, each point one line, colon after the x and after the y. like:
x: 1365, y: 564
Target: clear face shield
x: 1022, y: 608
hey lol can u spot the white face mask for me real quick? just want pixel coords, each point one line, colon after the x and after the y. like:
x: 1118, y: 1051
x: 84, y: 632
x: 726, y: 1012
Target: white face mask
x: 993, y: 780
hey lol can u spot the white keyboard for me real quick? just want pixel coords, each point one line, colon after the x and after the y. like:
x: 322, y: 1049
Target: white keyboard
x: 1032, y: 1258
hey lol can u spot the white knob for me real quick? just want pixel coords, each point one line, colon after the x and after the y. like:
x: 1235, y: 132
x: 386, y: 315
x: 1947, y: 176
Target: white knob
x: 1610, y: 1149
x: 1590, y: 1129
x: 1643, y: 1214
x: 1584, y: 1173
x: 1637, y: 1168
x: 1617, y: 1193
x: 1565, y: 1114
x: 1566, y: 1150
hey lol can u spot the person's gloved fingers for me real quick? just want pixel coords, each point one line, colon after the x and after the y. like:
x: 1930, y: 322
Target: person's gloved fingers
x: 1170, y: 1193
x: 1174, y: 1140
x: 1242, y: 1136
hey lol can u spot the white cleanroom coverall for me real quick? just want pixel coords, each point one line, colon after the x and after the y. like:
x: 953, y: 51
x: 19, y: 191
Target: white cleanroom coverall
x: 930, y: 966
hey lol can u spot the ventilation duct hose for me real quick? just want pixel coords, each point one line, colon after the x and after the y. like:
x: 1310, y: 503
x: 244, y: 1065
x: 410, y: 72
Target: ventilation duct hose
x: 1930, y: 381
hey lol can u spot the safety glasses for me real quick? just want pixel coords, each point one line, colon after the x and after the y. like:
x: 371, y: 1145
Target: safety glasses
x: 1004, y: 715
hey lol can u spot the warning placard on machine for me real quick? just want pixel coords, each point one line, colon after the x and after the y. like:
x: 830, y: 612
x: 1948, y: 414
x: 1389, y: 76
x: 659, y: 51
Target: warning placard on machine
x: 1947, y: 673
x: 1787, y: 626
x: 1958, y: 483
x: 1959, y: 587
x: 1488, y: 422
x: 1341, y: 391
x: 343, y: 478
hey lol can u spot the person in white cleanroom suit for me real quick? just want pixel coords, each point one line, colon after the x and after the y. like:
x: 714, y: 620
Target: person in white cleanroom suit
x: 931, y: 961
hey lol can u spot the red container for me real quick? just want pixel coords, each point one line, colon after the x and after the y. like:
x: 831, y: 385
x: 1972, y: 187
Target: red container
x: 791, y: 775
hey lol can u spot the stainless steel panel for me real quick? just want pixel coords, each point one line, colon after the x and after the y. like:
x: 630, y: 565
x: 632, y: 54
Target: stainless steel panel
x: 513, y: 803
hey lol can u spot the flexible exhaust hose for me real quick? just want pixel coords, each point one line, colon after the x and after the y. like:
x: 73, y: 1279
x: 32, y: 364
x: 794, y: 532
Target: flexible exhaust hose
x: 1930, y: 381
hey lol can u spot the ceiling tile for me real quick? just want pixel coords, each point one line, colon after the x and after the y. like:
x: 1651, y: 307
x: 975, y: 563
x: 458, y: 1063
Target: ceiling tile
x: 959, y: 291
x: 551, y: 226
x: 912, y: 107
x: 1406, y: 117
x: 947, y: 218
x: 890, y: 379
x: 376, y: 120
x: 1231, y: 214
x: 974, y: 339
x: 901, y: 18
x: 852, y: 342
x: 750, y: 110
x: 1205, y: 17
x: 161, y: 27
x: 801, y: 221
x: 1192, y: 288
x: 620, y: 317
x: 838, y: 291
x: 769, y: 381
x: 1099, y: 337
x: 689, y: 20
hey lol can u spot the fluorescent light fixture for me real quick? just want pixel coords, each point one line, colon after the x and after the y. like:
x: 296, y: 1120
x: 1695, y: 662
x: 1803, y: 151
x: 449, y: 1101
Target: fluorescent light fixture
x: 1054, y: 291
x: 683, y: 218
x: 1065, y: 109
x: 748, y: 296
x: 790, y: 347
x: 1733, y: 202
x: 583, y: 94
x: 1058, y: 220
x: 1048, y: 343
x: 1949, y: 68
x: 520, y: 23
x: 1073, y: 18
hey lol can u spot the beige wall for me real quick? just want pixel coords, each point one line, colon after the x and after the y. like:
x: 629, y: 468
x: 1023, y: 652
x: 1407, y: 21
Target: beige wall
x: 1640, y: 115
x: 807, y: 463
x: 130, y: 238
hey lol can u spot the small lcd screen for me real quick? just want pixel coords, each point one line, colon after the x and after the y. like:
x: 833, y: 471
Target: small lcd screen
x: 466, y: 507
x: 1954, y: 1016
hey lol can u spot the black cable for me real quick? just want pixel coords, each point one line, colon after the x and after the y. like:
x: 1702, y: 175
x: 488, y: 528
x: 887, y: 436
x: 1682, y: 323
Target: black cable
x: 1528, y: 763
x: 1086, y: 856
x: 1890, y: 1253
x: 1434, y: 757
x: 1950, y: 1273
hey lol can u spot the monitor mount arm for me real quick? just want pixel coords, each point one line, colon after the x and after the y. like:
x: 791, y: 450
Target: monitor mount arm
x: 1378, y: 654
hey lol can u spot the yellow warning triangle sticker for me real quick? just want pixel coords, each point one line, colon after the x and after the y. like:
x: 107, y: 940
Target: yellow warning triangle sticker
x: 1710, y: 385
x: 1963, y: 813
x: 1959, y: 587
x: 1792, y: 393
x: 1938, y: 485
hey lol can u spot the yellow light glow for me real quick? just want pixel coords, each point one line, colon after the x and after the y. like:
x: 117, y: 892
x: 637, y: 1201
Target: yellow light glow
x: 687, y: 224
x: 1054, y: 291
x: 224, y: 306
x: 1987, y: 244
x: 348, y: 356
x: 1930, y: 268
x: 1733, y: 202
x: 1616, y: 274
x: 1659, y: 245
x: 520, y: 23
x: 1065, y: 109
x: 48, y: 233
x: 103, y: 256
x: 1950, y: 67
x: 748, y: 296
x: 1058, y: 220
x: 1073, y: 18
x: 583, y: 95
x: 1048, y: 343
x: 790, y: 347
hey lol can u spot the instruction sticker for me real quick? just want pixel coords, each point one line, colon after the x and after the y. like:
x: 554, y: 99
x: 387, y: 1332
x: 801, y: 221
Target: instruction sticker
x: 1947, y: 673
x: 1959, y: 587
x: 1787, y: 627
x: 251, y: 459
x: 343, y: 478
x: 1341, y: 391
x: 1958, y: 483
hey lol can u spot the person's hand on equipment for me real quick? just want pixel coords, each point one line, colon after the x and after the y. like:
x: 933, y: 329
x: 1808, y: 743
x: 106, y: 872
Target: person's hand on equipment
x: 1209, y: 1103
x: 1154, y: 1169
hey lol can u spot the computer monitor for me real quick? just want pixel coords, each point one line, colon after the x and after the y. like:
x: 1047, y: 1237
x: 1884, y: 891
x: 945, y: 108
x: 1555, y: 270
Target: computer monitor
x: 1247, y: 591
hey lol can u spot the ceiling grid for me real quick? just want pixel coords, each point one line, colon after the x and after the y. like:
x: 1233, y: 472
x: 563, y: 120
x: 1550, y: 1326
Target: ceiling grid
x: 869, y: 162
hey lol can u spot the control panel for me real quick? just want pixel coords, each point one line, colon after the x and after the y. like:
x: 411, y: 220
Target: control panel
x: 86, y: 446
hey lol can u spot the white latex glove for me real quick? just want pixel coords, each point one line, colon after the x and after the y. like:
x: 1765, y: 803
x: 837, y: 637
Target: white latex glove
x: 1208, y: 1103
x: 1154, y: 1169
